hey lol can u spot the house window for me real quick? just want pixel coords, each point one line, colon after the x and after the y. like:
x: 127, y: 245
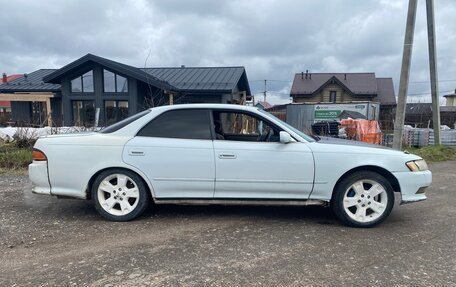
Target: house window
x: 114, y: 83
x: 83, y: 84
x: 115, y: 111
x: 83, y: 113
x: 332, y: 96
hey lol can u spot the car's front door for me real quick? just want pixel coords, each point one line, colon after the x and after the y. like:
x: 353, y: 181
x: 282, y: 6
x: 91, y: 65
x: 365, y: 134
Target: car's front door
x: 252, y: 163
x: 175, y: 151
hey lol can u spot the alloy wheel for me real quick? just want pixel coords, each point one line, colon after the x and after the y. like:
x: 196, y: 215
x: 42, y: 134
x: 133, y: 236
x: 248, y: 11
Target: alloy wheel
x: 118, y: 194
x: 365, y: 201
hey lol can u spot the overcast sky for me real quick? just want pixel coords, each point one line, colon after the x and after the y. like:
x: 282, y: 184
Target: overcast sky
x: 272, y: 39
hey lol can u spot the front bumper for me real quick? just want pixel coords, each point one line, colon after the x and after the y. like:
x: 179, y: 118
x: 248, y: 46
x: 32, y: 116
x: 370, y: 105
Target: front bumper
x: 38, y: 174
x: 413, y: 185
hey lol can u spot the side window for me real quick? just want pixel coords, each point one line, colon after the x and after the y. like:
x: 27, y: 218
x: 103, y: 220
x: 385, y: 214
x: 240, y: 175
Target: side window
x: 243, y: 127
x: 181, y: 124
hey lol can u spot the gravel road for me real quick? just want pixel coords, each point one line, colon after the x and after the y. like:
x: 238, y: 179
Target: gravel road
x: 46, y: 241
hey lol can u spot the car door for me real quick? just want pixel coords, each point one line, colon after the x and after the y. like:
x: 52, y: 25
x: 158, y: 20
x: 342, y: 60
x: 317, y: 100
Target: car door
x: 175, y: 151
x: 252, y: 163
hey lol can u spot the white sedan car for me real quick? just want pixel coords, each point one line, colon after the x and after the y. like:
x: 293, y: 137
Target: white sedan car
x: 223, y: 154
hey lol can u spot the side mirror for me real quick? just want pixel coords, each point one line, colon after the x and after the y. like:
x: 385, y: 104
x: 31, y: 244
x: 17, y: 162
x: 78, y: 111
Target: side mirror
x: 285, y: 137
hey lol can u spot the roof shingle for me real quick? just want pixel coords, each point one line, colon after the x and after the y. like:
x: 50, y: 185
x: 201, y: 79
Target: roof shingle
x: 31, y: 82
x: 357, y: 83
x: 200, y: 78
x: 385, y: 94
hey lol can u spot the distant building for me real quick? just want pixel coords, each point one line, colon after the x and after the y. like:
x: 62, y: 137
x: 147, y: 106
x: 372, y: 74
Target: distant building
x: 451, y: 99
x: 5, y: 106
x: 263, y: 105
x: 419, y: 115
x: 73, y: 94
x: 343, y: 88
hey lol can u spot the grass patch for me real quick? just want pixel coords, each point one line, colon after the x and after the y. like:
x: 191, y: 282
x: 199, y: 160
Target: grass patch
x: 14, y: 159
x: 434, y: 153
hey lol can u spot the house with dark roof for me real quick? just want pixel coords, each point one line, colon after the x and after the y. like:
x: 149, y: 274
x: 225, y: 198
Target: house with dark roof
x: 5, y: 106
x: 94, y: 89
x: 419, y: 115
x: 342, y: 88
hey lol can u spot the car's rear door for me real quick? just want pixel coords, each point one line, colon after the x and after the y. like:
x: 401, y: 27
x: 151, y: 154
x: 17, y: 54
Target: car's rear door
x: 175, y: 151
x: 252, y: 163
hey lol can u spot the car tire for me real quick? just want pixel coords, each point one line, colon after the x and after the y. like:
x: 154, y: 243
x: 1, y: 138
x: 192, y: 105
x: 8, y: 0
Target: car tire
x: 120, y: 195
x: 363, y: 199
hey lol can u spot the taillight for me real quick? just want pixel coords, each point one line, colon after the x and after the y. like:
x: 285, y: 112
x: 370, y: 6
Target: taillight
x: 38, y: 155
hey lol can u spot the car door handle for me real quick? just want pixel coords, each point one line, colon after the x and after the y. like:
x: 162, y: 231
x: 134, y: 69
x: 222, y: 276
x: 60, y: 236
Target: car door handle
x: 227, y: 156
x: 136, y: 152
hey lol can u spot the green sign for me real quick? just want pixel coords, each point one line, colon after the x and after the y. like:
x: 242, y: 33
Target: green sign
x: 327, y: 114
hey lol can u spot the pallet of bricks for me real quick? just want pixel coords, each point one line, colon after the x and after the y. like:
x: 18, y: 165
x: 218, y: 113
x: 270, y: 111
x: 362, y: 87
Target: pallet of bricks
x: 416, y: 137
x: 447, y: 137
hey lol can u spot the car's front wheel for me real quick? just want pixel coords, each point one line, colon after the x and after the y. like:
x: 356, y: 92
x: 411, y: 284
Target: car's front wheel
x: 363, y: 199
x: 120, y: 195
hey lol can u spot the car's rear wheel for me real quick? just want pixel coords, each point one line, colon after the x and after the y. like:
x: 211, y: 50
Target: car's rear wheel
x: 363, y: 199
x: 120, y: 195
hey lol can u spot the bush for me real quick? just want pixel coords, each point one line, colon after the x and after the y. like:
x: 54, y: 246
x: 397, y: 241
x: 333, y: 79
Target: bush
x: 25, y: 137
x: 13, y: 158
x: 4, y: 119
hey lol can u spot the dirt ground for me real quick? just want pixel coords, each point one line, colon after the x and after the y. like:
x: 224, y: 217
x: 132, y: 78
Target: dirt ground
x: 46, y: 241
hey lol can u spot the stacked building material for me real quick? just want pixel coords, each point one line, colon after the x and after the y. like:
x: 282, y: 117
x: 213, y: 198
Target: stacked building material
x: 362, y: 130
x: 419, y: 137
x: 416, y: 137
x: 447, y: 137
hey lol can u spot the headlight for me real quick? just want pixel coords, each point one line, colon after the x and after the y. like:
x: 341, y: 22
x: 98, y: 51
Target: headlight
x: 417, y: 165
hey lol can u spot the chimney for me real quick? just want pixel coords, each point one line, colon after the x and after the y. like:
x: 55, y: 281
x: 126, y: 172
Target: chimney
x: 4, y: 78
x: 302, y: 75
x: 307, y: 72
x: 25, y: 77
x: 345, y: 76
x: 182, y: 66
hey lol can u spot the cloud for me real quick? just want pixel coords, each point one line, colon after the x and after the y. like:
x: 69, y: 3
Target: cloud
x: 273, y: 39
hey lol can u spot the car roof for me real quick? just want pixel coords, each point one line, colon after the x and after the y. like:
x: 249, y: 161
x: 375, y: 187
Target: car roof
x: 204, y: 106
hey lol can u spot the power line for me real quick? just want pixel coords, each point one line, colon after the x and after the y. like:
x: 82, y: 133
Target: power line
x: 270, y: 93
x: 414, y: 82
x: 271, y: 81
x: 441, y: 92
x: 426, y: 82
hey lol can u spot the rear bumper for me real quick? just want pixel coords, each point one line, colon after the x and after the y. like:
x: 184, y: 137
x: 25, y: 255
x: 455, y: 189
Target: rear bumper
x: 413, y: 185
x: 38, y: 174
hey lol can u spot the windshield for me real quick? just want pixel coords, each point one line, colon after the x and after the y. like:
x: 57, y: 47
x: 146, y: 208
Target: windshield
x: 300, y: 133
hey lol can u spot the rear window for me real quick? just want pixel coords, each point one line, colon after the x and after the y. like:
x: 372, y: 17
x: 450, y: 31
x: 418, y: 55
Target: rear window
x: 117, y: 126
x: 182, y: 124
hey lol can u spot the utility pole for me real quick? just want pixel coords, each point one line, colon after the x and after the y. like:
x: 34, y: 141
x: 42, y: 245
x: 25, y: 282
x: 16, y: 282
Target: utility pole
x: 433, y: 71
x: 264, y: 91
x: 405, y: 73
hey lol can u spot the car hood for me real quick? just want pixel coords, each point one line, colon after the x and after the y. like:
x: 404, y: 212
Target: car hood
x: 342, y: 146
x: 329, y: 140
